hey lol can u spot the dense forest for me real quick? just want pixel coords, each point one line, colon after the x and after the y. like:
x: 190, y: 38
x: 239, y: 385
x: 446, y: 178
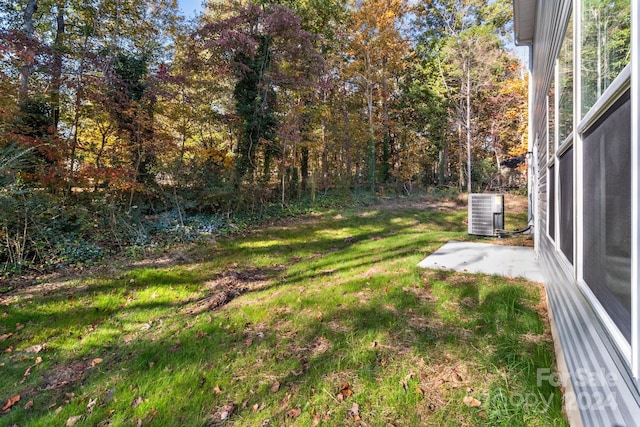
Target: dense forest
x: 119, y: 118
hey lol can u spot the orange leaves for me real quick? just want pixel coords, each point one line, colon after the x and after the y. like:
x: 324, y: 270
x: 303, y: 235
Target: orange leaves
x: 345, y: 392
x: 9, y: 404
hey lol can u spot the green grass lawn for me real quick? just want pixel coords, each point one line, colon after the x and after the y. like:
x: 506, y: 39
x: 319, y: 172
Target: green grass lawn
x: 322, y: 320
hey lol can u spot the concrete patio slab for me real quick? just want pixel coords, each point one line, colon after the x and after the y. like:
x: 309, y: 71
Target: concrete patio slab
x: 486, y: 258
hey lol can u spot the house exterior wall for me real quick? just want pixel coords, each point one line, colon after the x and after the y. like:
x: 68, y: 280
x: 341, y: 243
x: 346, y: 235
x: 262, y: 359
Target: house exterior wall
x: 585, y: 177
x: 559, y: 123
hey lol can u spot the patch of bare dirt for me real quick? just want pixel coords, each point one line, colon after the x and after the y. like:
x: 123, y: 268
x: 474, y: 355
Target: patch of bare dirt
x: 338, y: 327
x: 288, y: 223
x: 229, y: 286
x: 427, y: 202
x: 66, y: 373
x: 422, y: 293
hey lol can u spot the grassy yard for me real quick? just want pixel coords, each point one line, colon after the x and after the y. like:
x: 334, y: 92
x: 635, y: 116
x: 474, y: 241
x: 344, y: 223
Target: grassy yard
x: 323, y: 320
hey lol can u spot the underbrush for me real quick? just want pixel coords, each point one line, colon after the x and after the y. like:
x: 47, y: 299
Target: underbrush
x: 42, y: 232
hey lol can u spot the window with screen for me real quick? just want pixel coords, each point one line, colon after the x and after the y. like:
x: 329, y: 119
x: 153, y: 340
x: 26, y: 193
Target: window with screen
x: 566, y: 204
x: 605, y: 46
x: 551, y: 221
x: 551, y: 120
x: 565, y: 86
x: 607, y: 212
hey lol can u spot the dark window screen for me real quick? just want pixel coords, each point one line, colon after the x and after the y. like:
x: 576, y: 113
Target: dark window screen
x: 607, y: 212
x: 566, y: 204
x: 551, y: 221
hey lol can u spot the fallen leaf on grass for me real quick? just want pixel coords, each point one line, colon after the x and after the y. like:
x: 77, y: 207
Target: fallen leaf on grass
x: 27, y: 372
x: 217, y: 390
x: 227, y: 410
x: 5, y: 336
x: 58, y: 410
x: 91, y: 404
x: 73, y: 420
x: 109, y: 396
x: 136, y: 402
x: 35, y: 349
x: 471, y: 401
x: 19, y: 326
x: 294, y: 413
x: 150, y: 416
x: 316, y: 420
x: 345, y: 391
x: 355, y: 411
x: 284, y: 403
x: 28, y: 405
x: 38, y: 360
x: 10, y: 402
x: 275, y: 387
x: 258, y: 408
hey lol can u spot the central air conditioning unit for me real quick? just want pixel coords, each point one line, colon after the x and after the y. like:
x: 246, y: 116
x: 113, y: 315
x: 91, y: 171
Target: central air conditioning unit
x: 486, y: 214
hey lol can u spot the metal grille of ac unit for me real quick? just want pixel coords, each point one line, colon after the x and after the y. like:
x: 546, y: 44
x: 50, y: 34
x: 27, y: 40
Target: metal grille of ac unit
x: 486, y: 214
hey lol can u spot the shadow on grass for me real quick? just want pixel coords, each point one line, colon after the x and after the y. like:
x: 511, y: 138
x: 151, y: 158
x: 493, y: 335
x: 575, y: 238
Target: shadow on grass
x: 339, y: 314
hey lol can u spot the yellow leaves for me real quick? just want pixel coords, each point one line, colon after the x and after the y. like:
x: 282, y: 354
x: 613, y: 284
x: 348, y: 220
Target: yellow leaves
x: 220, y: 157
x: 471, y: 402
x: 376, y: 32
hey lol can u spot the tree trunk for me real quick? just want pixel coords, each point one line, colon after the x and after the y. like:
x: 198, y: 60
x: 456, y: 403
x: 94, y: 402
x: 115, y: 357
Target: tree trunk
x: 76, y: 118
x: 325, y: 151
x: 386, y: 152
x: 347, y: 145
x: 56, y: 77
x: 27, y: 67
x: 460, y: 158
x: 372, y: 141
x: 468, y: 124
x: 304, y: 167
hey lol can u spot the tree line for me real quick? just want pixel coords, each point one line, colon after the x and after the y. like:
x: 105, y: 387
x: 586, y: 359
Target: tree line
x: 114, y: 110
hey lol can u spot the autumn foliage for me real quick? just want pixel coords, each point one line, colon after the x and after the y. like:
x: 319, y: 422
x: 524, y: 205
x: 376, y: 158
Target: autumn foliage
x: 115, y: 113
